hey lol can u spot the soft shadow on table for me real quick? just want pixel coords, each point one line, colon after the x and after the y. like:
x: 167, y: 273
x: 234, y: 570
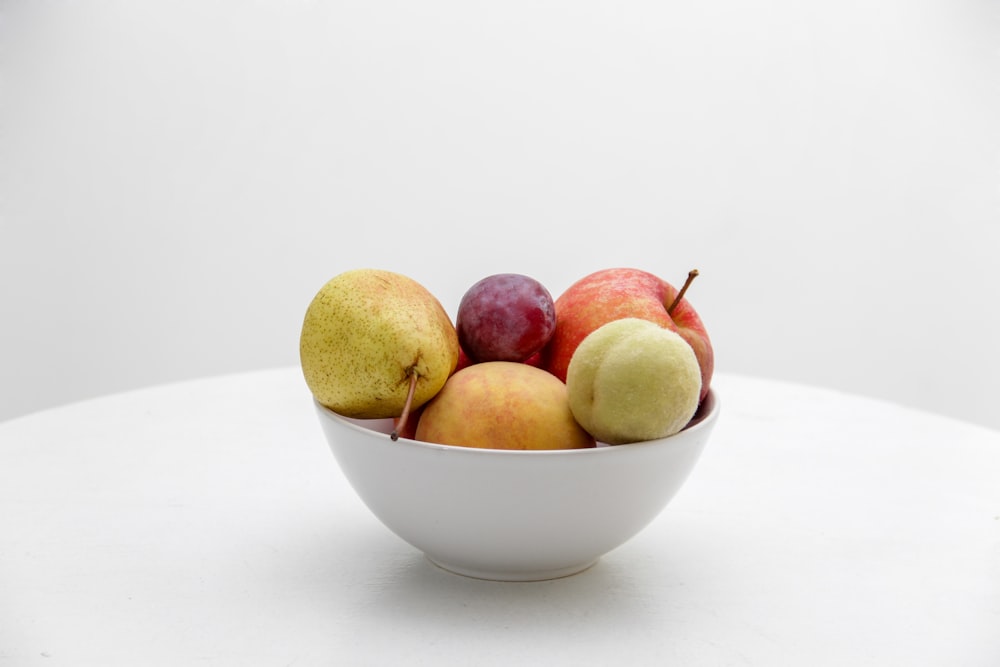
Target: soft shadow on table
x: 414, y: 587
x: 384, y: 581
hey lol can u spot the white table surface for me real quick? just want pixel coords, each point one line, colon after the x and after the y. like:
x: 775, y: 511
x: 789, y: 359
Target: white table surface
x: 207, y: 523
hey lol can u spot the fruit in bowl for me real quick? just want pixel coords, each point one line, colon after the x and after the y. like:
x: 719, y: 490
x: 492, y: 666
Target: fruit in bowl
x: 474, y: 444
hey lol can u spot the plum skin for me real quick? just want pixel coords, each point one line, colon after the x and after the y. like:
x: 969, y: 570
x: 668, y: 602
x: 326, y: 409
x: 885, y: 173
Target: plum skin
x: 505, y: 317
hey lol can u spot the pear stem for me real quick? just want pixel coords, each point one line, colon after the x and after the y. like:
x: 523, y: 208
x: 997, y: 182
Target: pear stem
x: 692, y: 274
x: 406, y: 406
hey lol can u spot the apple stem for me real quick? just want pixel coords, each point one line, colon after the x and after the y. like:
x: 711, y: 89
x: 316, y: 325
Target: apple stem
x: 692, y: 274
x: 406, y: 406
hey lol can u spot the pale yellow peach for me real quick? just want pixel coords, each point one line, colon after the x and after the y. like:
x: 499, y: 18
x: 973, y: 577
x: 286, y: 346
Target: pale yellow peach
x: 632, y: 380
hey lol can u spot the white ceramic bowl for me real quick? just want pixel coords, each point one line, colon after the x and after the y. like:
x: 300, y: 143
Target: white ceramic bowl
x: 514, y: 515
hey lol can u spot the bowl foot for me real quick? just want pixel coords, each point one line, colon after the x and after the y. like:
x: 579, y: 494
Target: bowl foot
x: 512, y: 575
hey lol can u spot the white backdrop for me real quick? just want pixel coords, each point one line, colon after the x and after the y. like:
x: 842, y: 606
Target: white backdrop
x: 179, y: 178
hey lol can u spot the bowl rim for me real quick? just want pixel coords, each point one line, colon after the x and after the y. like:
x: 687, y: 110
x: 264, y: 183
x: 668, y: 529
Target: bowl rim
x: 708, y: 413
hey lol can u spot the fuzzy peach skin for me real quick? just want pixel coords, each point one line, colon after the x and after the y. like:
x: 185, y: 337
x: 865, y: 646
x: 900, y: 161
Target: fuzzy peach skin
x: 502, y: 405
x: 617, y: 293
x: 632, y: 380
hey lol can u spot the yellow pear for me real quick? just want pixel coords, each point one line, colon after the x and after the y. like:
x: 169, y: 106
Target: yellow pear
x: 632, y: 380
x: 366, y: 335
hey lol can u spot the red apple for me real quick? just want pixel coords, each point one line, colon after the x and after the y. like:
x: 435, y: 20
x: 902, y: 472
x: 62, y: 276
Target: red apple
x: 535, y: 360
x: 613, y: 294
x: 463, y: 360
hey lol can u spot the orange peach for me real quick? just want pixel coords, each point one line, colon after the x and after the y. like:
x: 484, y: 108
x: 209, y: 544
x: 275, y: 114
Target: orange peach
x: 502, y: 405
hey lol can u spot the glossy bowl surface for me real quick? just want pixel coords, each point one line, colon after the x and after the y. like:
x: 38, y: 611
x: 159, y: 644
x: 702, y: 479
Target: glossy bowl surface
x: 514, y: 515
